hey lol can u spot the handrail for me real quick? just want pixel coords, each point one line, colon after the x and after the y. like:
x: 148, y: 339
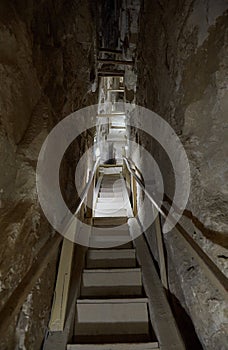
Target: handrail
x: 59, y: 305
x: 87, y: 186
x: 143, y: 187
x: 211, y: 270
x: 160, y: 245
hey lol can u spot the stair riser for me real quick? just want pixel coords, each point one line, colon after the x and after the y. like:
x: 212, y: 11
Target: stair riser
x: 112, y: 258
x: 132, y: 346
x: 112, y: 338
x: 110, y: 221
x: 104, y: 263
x: 111, y: 195
x: 110, y: 245
x: 109, y: 232
x: 126, y: 328
x: 111, y: 291
x: 109, y: 206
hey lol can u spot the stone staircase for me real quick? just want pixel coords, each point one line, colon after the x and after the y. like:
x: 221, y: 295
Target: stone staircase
x: 112, y: 311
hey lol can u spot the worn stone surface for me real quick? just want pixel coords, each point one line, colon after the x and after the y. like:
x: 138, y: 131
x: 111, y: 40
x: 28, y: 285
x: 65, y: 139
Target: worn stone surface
x: 198, y: 297
x: 182, y: 76
x: 46, y: 57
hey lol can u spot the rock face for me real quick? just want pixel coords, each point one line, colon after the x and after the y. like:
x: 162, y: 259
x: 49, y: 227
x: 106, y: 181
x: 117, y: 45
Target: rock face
x: 182, y: 76
x: 47, y: 71
x: 46, y: 58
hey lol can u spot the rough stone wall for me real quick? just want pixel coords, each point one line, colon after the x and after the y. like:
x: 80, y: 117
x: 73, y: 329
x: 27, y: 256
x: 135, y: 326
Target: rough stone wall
x: 46, y: 58
x: 182, y: 76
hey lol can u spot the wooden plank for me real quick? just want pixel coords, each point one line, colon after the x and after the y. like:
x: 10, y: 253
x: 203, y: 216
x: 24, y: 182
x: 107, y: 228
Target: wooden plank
x: 119, y: 127
x: 214, y: 274
x: 121, y: 346
x: 59, y: 340
x: 109, y: 115
x: 58, y: 313
x: 89, y: 199
x: 160, y: 247
x: 111, y: 166
x: 107, y: 221
x: 106, y: 50
x: 111, y: 282
x: 127, y: 199
x: 96, y: 192
x: 116, y: 90
x: 141, y: 300
x: 161, y: 316
x: 18, y: 297
x: 111, y: 317
x: 120, y: 62
x: 134, y: 195
x: 111, y: 74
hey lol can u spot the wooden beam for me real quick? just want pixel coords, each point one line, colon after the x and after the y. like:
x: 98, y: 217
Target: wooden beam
x: 19, y: 295
x: 160, y: 312
x: 116, y: 346
x: 109, y: 61
x: 134, y: 195
x: 89, y: 200
x: 105, y: 50
x: 59, y: 340
x: 212, y: 271
x: 160, y: 247
x: 58, y: 313
x: 118, y: 127
x: 96, y: 191
x: 111, y: 115
x: 111, y: 74
x: 116, y: 90
x: 111, y: 166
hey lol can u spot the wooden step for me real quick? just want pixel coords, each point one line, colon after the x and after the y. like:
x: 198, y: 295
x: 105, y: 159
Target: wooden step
x: 121, y: 346
x: 104, y: 241
x: 113, y: 232
x: 111, y: 282
x: 110, y: 171
x: 103, y: 213
x: 108, y: 205
x: 111, y: 185
x: 113, y: 174
x: 109, y: 221
x: 111, y: 258
x: 118, y: 138
x: 110, y: 195
x: 114, y: 180
x: 112, y: 317
x: 111, y: 189
x: 110, y: 200
x: 115, y: 184
x: 122, y: 211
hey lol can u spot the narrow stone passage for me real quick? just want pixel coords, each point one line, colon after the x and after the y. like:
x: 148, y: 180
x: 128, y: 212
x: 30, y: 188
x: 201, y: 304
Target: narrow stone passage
x: 141, y: 261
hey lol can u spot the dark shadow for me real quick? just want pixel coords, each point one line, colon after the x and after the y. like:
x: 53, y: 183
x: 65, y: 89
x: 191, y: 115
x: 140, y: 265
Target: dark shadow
x: 184, y: 324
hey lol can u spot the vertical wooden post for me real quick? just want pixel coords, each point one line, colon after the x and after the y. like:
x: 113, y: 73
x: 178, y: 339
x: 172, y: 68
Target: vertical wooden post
x: 59, y: 306
x: 160, y: 247
x: 89, y: 202
x: 134, y: 194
